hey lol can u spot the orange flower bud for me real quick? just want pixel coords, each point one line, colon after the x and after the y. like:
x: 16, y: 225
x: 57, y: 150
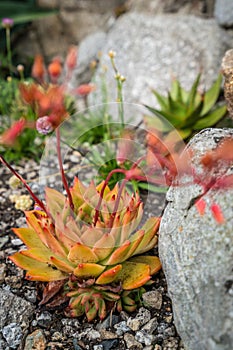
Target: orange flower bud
x: 84, y: 89
x: 55, y: 69
x: 38, y: 68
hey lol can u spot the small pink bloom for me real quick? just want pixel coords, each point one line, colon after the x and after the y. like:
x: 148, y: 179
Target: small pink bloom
x: 7, y: 22
x: 201, y: 205
x: 217, y: 213
x: 43, y: 125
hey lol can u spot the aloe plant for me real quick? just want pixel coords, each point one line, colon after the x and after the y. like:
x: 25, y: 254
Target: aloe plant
x: 187, y: 111
x: 95, y: 248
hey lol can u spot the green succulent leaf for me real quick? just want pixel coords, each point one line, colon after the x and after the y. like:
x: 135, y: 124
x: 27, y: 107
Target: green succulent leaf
x: 211, y: 96
x: 133, y: 275
x: 110, y: 275
x: 152, y: 261
x: 80, y: 253
x: 87, y: 270
x: 162, y: 100
x: 193, y: 92
x: 37, y: 271
x: 211, y: 119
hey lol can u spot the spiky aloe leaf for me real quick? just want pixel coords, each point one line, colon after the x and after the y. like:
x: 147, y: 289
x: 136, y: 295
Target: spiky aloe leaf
x: 80, y: 253
x: 87, y: 270
x: 133, y: 275
x: 152, y: 261
x: 211, y: 96
x: 109, y: 275
x: 211, y: 118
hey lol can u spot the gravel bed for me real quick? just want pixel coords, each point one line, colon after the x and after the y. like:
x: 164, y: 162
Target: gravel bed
x: 26, y: 326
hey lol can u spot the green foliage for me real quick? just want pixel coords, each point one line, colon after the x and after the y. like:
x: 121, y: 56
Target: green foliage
x: 187, y: 111
x: 22, y: 11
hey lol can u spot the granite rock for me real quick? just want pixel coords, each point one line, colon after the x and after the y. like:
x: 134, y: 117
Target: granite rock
x: 224, y: 12
x: 152, y: 49
x: 196, y: 255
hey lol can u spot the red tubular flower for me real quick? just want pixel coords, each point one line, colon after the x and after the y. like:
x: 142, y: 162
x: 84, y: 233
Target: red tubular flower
x: 38, y: 68
x: 126, y: 147
x: 201, y: 205
x: 8, y: 138
x: 217, y: 213
x: 84, y: 89
x: 71, y: 59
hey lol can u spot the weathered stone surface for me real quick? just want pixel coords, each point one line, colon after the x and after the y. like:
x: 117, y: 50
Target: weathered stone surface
x: 35, y: 340
x: 151, y: 49
x: 14, y: 309
x: 197, y: 255
x: 224, y: 12
x: 88, y: 51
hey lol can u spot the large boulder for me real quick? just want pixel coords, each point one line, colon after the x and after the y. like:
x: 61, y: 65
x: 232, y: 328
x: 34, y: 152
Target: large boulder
x: 197, y: 254
x: 152, y: 49
x: 224, y: 12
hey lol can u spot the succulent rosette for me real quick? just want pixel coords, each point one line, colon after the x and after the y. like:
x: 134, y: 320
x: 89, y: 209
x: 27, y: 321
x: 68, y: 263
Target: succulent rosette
x: 95, y: 248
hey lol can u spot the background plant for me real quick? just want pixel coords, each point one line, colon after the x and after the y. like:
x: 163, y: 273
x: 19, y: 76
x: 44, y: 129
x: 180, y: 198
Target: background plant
x: 187, y: 111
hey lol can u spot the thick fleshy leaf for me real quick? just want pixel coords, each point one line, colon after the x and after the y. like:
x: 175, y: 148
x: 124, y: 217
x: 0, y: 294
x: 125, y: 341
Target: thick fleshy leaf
x: 55, y: 201
x: 38, y: 254
x: 152, y: 261
x: 37, y: 271
x: 62, y: 264
x: 29, y: 237
x: 133, y: 275
x: 118, y: 255
x: 82, y: 254
x: 91, y: 236
x: 109, y: 276
x: 43, y: 231
x: 88, y: 270
x: 104, y: 247
x: 77, y: 192
x: 150, y: 238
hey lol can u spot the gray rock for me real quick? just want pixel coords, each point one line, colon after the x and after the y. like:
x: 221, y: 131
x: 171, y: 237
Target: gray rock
x: 196, y: 255
x: 14, y: 309
x: 88, y: 51
x: 35, y: 340
x: 13, y: 334
x: 143, y: 316
x: 151, y: 49
x: 131, y: 342
x: 144, y: 338
x: 223, y: 12
x: 44, y: 319
x: 153, y: 299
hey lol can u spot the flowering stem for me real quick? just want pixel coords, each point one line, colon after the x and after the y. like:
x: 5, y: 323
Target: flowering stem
x: 36, y: 199
x: 8, y: 47
x: 64, y: 181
